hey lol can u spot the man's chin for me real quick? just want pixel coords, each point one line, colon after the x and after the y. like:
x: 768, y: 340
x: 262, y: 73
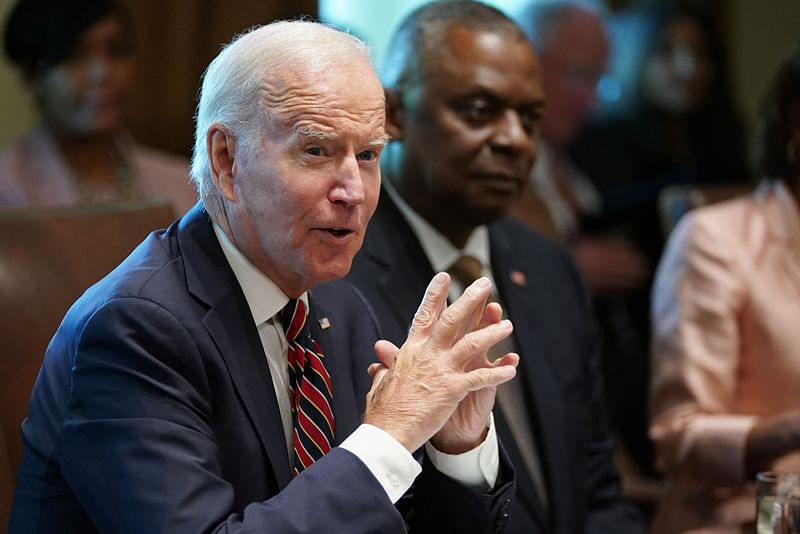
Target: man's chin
x: 488, y: 213
x: 334, y: 270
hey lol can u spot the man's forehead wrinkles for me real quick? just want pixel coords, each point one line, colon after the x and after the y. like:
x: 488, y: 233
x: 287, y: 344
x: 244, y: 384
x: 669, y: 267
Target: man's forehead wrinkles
x: 323, y: 118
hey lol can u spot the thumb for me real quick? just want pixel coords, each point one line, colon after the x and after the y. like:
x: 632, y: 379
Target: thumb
x: 386, y: 351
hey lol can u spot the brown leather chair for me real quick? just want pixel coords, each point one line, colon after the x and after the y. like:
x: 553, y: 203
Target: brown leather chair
x: 48, y: 257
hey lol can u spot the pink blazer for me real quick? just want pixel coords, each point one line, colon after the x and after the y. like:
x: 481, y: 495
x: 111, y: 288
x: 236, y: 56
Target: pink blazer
x: 33, y: 174
x: 726, y: 351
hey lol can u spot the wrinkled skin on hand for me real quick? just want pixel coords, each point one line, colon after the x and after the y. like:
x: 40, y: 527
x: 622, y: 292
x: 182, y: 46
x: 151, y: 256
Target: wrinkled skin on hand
x: 439, y: 385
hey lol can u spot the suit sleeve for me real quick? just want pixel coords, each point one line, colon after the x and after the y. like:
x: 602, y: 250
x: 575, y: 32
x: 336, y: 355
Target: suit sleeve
x: 696, y: 298
x: 138, y: 442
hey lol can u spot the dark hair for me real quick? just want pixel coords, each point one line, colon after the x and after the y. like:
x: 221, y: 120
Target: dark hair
x: 717, y: 128
x: 668, y: 13
x: 424, y: 30
x: 780, y: 102
x: 42, y: 33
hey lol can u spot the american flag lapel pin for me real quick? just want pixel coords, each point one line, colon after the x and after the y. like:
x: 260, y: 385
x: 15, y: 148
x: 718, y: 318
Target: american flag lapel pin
x: 324, y: 323
x: 518, y: 278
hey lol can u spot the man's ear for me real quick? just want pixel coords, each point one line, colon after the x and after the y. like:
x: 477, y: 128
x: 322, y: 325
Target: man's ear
x: 394, y: 114
x: 221, y: 146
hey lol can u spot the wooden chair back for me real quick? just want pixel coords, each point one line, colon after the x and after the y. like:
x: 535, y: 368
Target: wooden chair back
x: 48, y: 257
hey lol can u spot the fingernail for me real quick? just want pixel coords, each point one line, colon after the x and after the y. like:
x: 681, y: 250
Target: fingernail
x: 439, y: 279
x: 482, y: 282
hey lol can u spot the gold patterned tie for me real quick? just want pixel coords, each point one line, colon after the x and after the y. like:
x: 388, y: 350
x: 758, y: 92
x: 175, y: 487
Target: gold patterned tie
x: 510, y: 396
x: 466, y: 270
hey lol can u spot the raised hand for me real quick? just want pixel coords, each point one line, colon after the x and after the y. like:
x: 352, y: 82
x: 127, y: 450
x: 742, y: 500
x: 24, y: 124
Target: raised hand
x: 440, y: 381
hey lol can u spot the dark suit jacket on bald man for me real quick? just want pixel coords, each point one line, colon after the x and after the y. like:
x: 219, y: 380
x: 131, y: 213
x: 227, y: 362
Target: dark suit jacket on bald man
x: 554, y: 336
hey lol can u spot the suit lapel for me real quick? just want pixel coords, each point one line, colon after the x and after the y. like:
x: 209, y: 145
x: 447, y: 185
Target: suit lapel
x: 230, y: 325
x: 518, y: 294
x: 347, y: 405
x: 397, y: 259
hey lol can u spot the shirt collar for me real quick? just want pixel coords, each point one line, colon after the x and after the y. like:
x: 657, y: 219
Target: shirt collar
x: 263, y: 296
x: 439, y: 250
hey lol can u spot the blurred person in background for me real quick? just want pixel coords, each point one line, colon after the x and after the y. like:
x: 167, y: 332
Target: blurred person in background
x: 76, y: 59
x: 683, y: 126
x: 726, y: 305
x: 562, y: 201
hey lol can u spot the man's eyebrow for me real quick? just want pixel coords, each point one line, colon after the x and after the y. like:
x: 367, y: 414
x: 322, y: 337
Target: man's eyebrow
x: 380, y: 141
x: 313, y: 132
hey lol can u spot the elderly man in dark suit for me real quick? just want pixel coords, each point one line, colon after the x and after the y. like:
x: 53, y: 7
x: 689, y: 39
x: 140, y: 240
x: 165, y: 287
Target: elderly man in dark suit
x: 463, y: 106
x: 188, y: 391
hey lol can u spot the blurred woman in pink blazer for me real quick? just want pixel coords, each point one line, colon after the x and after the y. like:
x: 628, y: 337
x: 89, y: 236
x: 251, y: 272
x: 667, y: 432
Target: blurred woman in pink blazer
x: 725, y: 398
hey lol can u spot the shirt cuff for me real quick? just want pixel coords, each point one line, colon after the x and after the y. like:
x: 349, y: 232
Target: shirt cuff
x: 388, y: 461
x: 476, y: 469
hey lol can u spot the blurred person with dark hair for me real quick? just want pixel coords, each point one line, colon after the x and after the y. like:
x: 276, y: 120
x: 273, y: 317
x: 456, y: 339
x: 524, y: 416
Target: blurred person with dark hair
x: 76, y: 58
x: 726, y: 305
x: 682, y: 127
x: 464, y: 101
x: 571, y: 40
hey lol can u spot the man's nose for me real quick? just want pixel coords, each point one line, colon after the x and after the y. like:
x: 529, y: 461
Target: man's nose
x: 349, y: 185
x: 510, y: 133
x: 98, y: 67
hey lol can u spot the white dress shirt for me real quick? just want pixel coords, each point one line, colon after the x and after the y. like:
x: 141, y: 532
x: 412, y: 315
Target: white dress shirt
x: 391, y: 464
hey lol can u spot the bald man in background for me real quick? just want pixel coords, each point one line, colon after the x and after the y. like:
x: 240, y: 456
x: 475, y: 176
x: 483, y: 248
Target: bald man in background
x: 563, y: 202
x: 464, y: 101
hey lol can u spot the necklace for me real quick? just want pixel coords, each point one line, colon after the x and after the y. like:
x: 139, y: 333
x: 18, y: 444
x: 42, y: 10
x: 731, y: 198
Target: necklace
x: 121, y: 187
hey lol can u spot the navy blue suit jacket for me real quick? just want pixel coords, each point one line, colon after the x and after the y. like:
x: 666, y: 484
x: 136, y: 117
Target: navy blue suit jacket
x: 155, y: 411
x: 559, y: 369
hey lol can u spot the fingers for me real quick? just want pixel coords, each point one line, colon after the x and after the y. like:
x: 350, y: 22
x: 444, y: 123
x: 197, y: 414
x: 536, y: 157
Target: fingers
x: 386, y: 351
x: 512, y: 359
x: 492, y: 313
x: 373, y: 369
x: 433, y: 302
x: 461, y: 316
x: 484, y: 377
x: 505, y: 368
x: 479, y: 342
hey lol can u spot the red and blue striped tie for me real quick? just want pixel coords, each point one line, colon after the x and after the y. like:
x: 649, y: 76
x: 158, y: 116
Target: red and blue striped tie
x: 310, y: 389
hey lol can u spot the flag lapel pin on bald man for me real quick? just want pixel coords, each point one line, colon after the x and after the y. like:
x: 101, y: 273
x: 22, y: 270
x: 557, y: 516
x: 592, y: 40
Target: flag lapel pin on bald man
x: 324, y: 323
x: 518, y: 278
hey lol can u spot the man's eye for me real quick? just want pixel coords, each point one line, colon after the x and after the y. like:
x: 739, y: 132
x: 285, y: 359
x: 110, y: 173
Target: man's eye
x: 368, y: 155
x: 314, y: 151
x: 530, y: 120
x: 477, y: 111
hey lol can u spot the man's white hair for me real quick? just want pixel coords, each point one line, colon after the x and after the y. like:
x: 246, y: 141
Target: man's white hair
x: 244, y: 78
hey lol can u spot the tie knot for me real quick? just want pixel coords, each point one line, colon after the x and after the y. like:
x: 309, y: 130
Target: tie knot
x: 466, y: 270
x: 293, y: 318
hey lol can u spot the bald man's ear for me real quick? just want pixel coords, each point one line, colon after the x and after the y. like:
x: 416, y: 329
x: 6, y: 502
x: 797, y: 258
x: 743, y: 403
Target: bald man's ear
x: 221, y: 146
x: 394, y: 114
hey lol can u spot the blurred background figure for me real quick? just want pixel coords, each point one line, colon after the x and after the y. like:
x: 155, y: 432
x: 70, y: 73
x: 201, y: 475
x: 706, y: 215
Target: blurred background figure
x: 681, y: 127
x: 682, y: 130
x: 726, y: 305
x: 76, y: 59
x: 563, y: 201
